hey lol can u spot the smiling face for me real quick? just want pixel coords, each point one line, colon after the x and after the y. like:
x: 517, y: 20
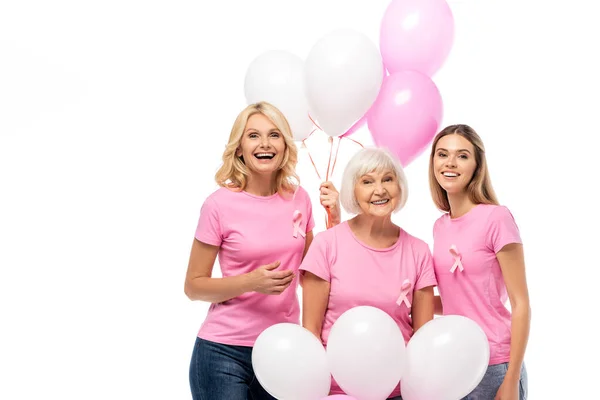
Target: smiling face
x: 262, y: 146
x: 377, y: 193
x: 454, y: 163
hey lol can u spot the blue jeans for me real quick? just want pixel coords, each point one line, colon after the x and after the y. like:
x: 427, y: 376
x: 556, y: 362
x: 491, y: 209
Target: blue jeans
x: 223, y: 372
x: 489, y: 385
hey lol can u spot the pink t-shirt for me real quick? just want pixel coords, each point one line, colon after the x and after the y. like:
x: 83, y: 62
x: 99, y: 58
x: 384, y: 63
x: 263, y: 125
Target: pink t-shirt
x: 361, y: 275
x: 253, y: 231
x: 478, y: 290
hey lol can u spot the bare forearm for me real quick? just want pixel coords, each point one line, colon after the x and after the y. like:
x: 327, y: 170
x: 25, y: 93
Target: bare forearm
x: 315, y: 297
x: 422, y: 308
x: 421, y: 319
x: 217, y: 290
x: 313, y: 327
x: 520, y: 321
x: 437, y: 306
x: 312, y: 317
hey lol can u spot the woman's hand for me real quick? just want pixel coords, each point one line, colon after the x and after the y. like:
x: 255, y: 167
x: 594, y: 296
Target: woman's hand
x: 509, y: 390
x: 330, y: 199
x: 267, y: 281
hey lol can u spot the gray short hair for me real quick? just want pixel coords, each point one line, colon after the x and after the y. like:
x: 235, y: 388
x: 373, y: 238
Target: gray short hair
x: 366, y: 161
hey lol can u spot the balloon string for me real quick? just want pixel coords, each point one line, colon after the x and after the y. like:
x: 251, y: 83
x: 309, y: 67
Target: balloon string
x: 358, y: 143
x: 328, y: 219
x: 330, y: 154
x: 309, y: 135
x: 329, y: 222
x: 330, y: 167
x: 337, y: 149
x: 314, y: 123
x: 310, y: 157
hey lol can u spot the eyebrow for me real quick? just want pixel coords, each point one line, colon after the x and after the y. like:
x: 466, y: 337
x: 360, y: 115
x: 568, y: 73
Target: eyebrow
x: 256, y: 130
x: 459, y: 150
x: 370, y: 175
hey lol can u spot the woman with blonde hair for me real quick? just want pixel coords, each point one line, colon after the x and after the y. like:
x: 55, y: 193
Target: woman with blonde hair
x: 368, y: 260
x: 259, y: 224
x: 478, y: 259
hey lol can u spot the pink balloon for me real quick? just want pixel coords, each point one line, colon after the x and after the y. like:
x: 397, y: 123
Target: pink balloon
x: 338, y: 397
x: 357, y: 125
x: 406, y: 115
x: 416, y: 35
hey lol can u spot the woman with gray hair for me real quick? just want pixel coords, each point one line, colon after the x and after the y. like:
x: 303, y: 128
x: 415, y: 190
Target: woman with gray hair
x: 368, y: 260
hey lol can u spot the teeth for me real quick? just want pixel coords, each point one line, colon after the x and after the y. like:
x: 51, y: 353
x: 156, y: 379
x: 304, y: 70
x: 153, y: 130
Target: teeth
x: 450, y: 174
x: 380, y: 201
x: 269, y: 155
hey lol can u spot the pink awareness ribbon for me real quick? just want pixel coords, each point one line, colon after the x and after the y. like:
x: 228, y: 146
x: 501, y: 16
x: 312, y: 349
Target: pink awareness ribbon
x: 406, y: 287
x: 297, y: 220
x: 457, y: 258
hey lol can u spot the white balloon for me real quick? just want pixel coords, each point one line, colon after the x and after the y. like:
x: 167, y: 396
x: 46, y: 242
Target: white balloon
x: 366, y: 353
x: 447, y: 358
x: 277, y: 77
x: 290, y: 363
x: 344, y: 72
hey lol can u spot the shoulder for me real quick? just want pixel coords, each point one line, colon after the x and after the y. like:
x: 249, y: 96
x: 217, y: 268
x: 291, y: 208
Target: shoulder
x: 301, y: 194
x: 223, y: 193
x: 330, y: 236
x: 495, y: 213
x: 331, y: 233
x: 418, y: 245
x: 221, y: 198
x: 438, y: 222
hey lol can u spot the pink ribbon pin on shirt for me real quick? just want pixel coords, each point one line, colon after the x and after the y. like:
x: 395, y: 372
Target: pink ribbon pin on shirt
x: 297, y: 221
x: 406, y: 287
x: 457, y: 259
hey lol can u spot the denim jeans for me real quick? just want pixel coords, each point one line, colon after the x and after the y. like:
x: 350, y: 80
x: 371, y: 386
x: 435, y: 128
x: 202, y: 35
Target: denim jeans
x: 489, y: 385
x: 223, y: 372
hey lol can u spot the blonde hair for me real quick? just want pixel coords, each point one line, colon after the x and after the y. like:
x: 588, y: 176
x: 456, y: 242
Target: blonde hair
x: 233, y: 174
x: 479, y: 190
x: 366, y: 161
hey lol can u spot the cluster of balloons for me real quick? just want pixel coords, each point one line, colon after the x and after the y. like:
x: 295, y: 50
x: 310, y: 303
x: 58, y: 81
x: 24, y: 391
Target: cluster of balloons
x: 367, y: 356
x: 346, y: 81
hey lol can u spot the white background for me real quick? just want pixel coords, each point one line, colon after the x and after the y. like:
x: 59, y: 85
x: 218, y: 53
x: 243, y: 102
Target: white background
x: 113, y: 118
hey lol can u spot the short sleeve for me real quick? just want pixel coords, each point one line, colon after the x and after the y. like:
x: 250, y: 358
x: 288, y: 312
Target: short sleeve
x: 305, y: 204
x: 502, y: 229
x: 425, y: 270
x: 316, y: 260
x: 209, y: 224
x: 436, y: 225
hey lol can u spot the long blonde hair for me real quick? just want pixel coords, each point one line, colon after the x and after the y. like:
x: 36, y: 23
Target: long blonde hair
x: 233, y: 174
x: 479, y: 190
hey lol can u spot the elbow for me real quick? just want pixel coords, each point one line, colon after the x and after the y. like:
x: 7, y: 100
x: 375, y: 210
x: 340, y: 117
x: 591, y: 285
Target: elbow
x: 523, y: 310
x: 189, y: 291
x: 312, y: 325
x: 195, y: 289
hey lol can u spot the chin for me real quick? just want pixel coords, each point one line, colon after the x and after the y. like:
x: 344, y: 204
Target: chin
x: 454, y: 189
x: 385, y: 213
